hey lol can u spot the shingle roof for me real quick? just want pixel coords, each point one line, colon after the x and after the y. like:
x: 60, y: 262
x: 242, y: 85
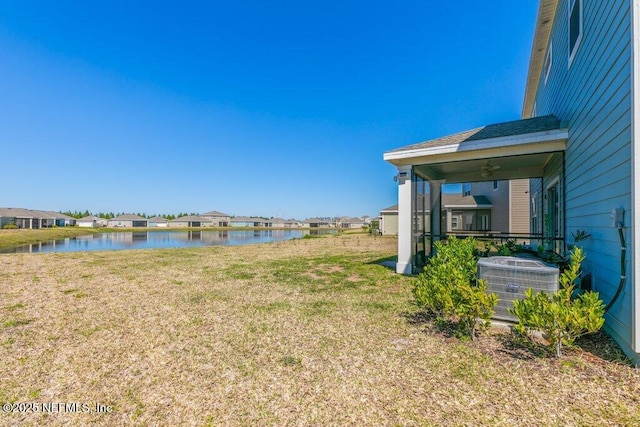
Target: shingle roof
x: 128, y: 217
x: 498, y: 130
x: 32, y: 213
x: 309, y: 220
x: 192, y: 218
x: 90, y: 218
x: 214, y: 213
x: 16, y: 212
x: 352, y: 220
x: 248, y: 219
x: 464, y: 201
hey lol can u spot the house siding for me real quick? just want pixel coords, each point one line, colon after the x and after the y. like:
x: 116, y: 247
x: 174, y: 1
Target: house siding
x: 389, y: 224
x: 594, y: 97
x: 499, y: 198
x: 519, y: 210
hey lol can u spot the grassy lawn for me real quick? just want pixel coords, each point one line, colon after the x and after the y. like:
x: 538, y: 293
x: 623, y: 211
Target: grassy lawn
x: 10, y: 238
x: 304, y: 332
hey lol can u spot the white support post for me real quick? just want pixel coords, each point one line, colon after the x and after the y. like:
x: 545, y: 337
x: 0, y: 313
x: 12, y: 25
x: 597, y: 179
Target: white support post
x: 405, y: 214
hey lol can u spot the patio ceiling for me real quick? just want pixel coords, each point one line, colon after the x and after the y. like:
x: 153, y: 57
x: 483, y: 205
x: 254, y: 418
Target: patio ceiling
x: 510, y: 150
x: 487, y: 169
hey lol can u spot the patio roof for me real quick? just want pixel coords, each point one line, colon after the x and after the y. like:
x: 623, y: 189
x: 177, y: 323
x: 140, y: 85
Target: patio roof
x: 509, y: 150
x: 468, y: 202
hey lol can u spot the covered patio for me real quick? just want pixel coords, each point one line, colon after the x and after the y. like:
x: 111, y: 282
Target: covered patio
x: 529, y: 148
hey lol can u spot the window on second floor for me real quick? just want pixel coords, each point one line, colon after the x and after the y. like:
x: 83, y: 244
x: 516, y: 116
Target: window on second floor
x: 466, y: 189
x: 575, y: 28
x: 495, y: 185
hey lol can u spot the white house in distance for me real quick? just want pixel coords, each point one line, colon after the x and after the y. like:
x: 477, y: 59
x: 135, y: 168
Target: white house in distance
x: 91, y: 221
x: 158, y: 221
x: 578, y: 139
x: 128, y: 221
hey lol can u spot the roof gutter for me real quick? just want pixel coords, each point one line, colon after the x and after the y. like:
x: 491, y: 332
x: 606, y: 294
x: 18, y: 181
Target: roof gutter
x: 524, y: 141
x: 544, y: 24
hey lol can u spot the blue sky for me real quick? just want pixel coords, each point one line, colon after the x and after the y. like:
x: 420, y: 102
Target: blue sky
x: 280, y: 108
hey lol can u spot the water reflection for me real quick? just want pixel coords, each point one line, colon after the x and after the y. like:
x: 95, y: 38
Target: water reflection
x: 161, y: 239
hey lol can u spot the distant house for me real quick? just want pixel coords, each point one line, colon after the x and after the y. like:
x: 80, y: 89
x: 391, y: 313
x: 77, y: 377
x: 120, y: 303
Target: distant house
x: 158, y: 221
x: 189, y: 221
x: 317, y: 223
x: 63, y: 220
x: 29, y: 218
x: 217, y: 219
x: 350, y: 222
x: 389, y: 221
x: 481, y: 208
x: 277, y: 222
x: 22, y: 218
x: 49, y: 219
x: 128, y: 221
x: 244, y: 221
x: 292, y: 223
x: 495, y: 207
x: 92, y: 221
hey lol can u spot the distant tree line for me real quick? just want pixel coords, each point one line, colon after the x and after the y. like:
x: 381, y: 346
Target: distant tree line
x: 111, y: 215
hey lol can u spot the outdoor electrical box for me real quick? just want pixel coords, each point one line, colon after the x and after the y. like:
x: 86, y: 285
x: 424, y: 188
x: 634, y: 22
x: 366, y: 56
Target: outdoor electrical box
x: 617, y: 218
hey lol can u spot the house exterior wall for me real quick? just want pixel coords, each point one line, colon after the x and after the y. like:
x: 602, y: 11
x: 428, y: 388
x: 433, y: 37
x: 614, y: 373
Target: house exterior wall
x: 217, y: 221
x: 176, y: 224
x: 389, y: 224
x: 499, y: 198
x: 4, y: 220
x: 593, y: 96
x: 87, y: 224
x: 519, y: 219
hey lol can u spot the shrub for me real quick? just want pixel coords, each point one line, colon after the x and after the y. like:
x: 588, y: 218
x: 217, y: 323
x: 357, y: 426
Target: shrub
x: 9, y: 226
x: 448, y: 287
x: 560, y: 318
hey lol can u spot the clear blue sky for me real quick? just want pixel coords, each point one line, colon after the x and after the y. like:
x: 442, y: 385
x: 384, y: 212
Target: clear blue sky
x: 279, y: 108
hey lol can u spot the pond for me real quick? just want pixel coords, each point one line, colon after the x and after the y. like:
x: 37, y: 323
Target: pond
x: 161, y: 239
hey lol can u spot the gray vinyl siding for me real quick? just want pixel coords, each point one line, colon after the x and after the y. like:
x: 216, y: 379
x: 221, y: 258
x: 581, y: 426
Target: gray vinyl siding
x: 519, y: 199
x: 499, y: 200
x: 594, y: 98
x: 390, y: 224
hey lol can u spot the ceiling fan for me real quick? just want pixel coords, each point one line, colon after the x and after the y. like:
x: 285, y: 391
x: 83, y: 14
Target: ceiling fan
x: 487, y: 170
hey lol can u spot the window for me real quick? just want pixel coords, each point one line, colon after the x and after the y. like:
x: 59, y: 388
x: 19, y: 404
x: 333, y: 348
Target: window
x: 495, y: 185
x: 466, y: 189
x: 575, y: 28
x: 548, y: 61
x: 484, y: 222
x: 454, y: 222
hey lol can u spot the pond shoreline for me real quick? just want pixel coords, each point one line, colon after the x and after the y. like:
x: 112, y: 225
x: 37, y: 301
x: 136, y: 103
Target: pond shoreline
x: 87, y: 240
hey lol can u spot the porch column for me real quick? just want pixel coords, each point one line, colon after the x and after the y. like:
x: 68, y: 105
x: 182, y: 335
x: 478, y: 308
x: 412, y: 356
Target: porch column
x: 405, y: 213
x: 435, y: 211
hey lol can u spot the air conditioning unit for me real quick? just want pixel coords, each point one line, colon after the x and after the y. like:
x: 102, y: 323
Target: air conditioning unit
x: 509, y: 278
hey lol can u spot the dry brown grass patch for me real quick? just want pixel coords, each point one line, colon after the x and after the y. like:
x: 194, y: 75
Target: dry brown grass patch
x: 247, y: 336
